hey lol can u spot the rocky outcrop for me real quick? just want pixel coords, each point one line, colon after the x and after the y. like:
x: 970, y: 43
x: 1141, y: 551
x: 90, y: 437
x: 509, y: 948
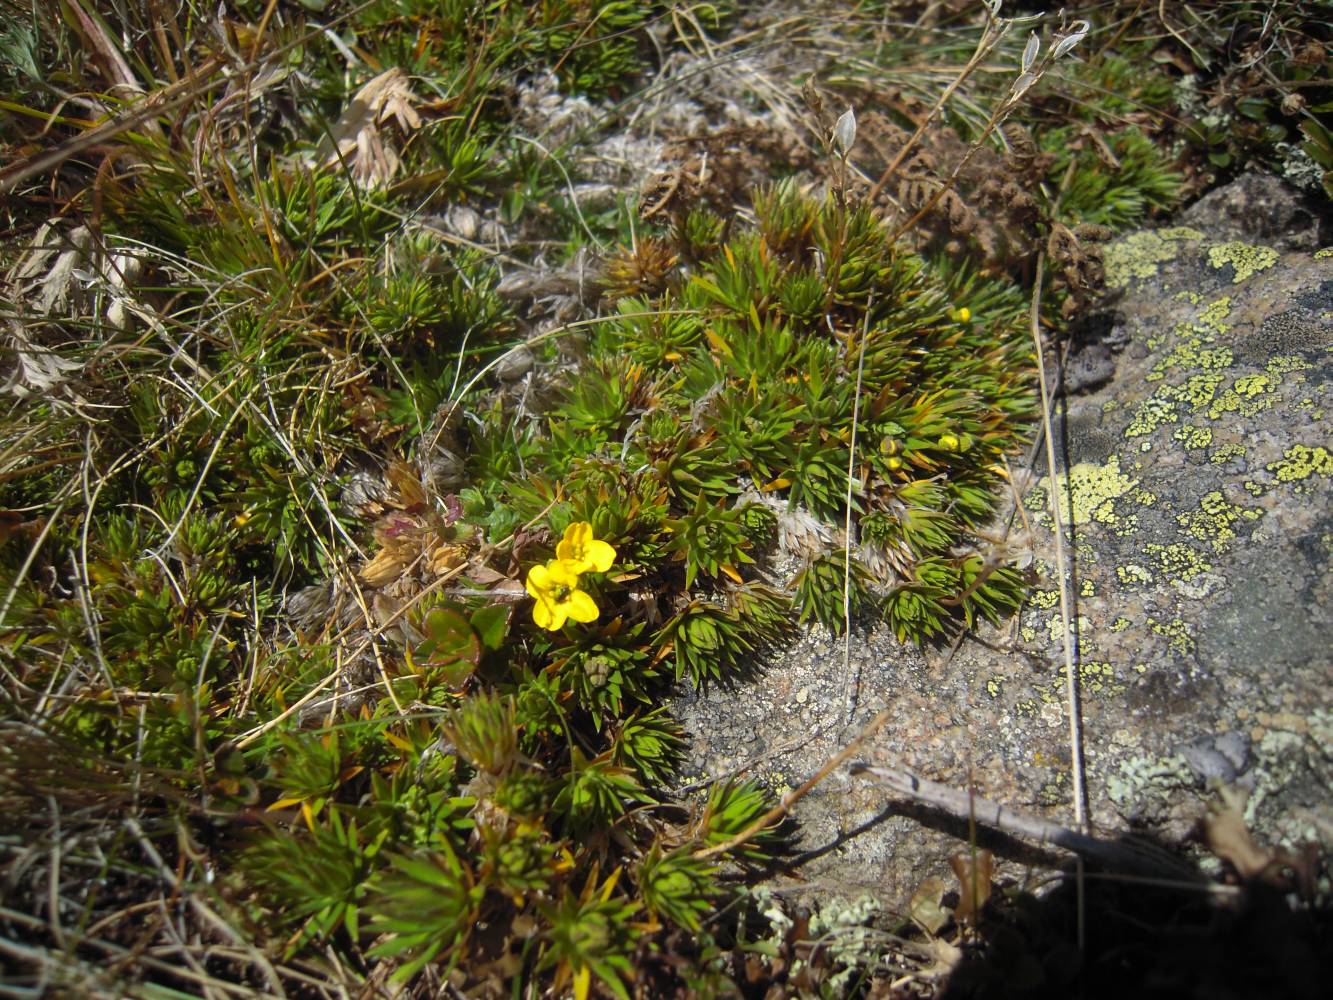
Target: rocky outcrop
x: 1199, y: 476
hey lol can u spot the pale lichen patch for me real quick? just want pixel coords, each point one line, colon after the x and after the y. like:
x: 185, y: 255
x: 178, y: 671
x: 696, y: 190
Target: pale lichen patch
x: 1245, y: 259
x: 1226, y: 453
x: 1193, y: 438
x: 1131, y: 574
x: 1180, y: 233
x: 1137, y: 256
x: 1214, y: 313
x: 1178, y: 562
x: 1091, y: 490
x: 1214, y: 521
x: 1300, y: 462
x: 1148, y: 777
x: 1179, y: 634
x: 1055, y: 628
x: 1045, y: 599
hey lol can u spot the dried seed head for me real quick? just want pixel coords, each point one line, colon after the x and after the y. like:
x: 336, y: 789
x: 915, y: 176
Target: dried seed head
x: 844, y: 132
x: 365, y: 494
x: 514, y: 364
x: 642, y: 269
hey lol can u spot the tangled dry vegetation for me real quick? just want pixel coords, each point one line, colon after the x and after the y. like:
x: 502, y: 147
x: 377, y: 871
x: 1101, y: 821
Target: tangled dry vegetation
x: 401, y: 395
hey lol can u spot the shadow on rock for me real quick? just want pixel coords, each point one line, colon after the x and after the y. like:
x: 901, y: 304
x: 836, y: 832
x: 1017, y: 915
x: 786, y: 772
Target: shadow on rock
x: 1149, y: 938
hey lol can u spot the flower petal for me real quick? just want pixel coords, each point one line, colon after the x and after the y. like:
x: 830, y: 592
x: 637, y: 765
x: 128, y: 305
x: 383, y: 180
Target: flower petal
x: 538, y: 582
x: 563, y: 572
x: 575, y: 542
x: 581, y: 607
x: 549, y: 616
x: 599, y: 555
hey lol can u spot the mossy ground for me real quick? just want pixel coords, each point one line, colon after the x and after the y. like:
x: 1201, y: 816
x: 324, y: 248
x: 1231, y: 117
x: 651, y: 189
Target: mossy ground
x: 308, y: 368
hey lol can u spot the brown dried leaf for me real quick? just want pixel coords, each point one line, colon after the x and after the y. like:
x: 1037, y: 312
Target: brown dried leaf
x: 974, y: 869
x: 445, y: 557
x: 388, y: 564
x: 1228, y: 837
x: 925, y: 907
x: 482, y: 575
x: 406, y: 482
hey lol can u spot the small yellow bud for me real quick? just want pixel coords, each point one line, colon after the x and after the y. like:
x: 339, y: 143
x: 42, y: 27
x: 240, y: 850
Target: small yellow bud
x: 949, y: 442
x: 894, y: 464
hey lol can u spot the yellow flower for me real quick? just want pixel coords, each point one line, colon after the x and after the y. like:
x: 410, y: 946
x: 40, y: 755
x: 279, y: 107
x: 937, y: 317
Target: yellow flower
x: 585, y: 552
x: 555, y: 588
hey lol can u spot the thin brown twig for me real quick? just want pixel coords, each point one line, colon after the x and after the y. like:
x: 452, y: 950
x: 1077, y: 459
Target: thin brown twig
x: 967, y: 805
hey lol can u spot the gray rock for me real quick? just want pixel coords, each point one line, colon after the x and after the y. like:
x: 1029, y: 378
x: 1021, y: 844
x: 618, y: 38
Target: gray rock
x: 1200, y: 479
x: 1261, y: 208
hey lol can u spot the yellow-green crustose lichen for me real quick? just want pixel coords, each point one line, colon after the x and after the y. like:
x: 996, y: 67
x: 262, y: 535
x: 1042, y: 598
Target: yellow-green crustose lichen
x: 1193, y: 438
x: 1177, y: 562
x: 1179, y: 233
x: 1092, y: 489
x: 1210, y: 319
x: 1138, y: 254
x: 1164, y: 405
x: 1120, y: 624
x: 1214, y: 521
x: 1201, y: 391
x: 1226, y: 453
x: 1247, y: 260
x: 1189, y: 353
x: 1252, y: 394
x: 1095, y: 676
x: 1055, y: 628
x: 1045, y: 599
x: 1179, y: 635
x: 1308, y: 405
x: 1300, y: 462
x: 1131, y: 575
